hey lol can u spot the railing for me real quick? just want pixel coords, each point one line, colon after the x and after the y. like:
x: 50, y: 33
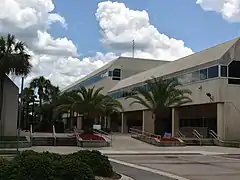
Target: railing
x: 105, y: 134
x: 213, y: 134
x: 144, y: 133
x: 54, y: 136
x: 198, y: 135
x: 180, y: 134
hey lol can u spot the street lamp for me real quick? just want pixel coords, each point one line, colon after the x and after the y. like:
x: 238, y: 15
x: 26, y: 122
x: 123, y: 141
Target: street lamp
x: 20, y: 115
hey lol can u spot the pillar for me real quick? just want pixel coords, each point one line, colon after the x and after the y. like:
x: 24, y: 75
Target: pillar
x: 124, y: 127
x: 143, y: 121
x: 148, y: 121
x: 79, y: 123
x: 175, y: 121
x: 220, y: 121
x: 108, y: 122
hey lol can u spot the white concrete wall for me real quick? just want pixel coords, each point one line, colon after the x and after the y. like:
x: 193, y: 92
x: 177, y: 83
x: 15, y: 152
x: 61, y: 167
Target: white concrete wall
x: 10, y: 108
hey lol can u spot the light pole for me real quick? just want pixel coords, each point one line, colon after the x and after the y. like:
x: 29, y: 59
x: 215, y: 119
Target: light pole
x: 20, y: 115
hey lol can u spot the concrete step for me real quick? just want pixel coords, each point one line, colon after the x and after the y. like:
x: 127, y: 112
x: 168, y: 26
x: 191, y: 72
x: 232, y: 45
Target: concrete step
x: 50, y: 141
x: 66, y: 141
x: 197, y: 142
x: 43, y: 141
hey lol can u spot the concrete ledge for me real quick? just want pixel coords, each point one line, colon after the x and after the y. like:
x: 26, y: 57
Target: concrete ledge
x: 14, y: 144
x: 91, y: 143
x: 156, y: 143
x: 234, y: 144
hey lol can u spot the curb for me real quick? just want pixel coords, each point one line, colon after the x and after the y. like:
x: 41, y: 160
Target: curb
x: 162, y: 173
x: 142, y: 154
x: 124, y: 177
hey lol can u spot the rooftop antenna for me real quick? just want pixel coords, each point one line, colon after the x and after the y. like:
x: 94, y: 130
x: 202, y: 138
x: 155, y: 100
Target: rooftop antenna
x: 133, y: 48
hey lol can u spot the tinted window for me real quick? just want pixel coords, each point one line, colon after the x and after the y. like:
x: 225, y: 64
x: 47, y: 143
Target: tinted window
x: 213, y: 72
x: 233, y: 70
x: 223, y: 71
x: 203, y: 74
x: 110, y: 73
x: 117, y: 72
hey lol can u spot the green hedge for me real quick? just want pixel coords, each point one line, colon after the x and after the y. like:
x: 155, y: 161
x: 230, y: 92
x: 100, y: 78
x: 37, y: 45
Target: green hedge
x: 30, y: 165
x: 99, y: 163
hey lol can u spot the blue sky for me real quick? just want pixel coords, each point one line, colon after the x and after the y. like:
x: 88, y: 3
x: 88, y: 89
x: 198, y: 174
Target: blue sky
x: 162, y: 29
x: 184, y: 20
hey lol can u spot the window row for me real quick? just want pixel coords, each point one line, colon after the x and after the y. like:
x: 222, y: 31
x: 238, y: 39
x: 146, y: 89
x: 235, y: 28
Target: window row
x: 202, y: 74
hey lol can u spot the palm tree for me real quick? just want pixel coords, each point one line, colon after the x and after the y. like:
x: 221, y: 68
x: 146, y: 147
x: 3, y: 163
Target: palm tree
x: 42, y: 86
x: 110, y: 106
x: 88, y: 102
x: 14, y: 60
x: 159, y: 94
x: 28, y: 97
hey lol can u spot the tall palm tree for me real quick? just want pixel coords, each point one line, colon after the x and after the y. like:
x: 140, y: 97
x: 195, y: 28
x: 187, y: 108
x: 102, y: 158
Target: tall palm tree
x: 42, y: 86
x: 159, y: 94
x: 110, y: 106
x: 13, y: 60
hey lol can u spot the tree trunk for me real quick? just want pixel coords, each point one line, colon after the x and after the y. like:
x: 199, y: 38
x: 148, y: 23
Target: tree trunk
x: 1, y: 103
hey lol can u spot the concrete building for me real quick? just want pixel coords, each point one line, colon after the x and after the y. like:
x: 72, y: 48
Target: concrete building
x: 213, y: 76
x: 8, y: 121
x: 108, y: 76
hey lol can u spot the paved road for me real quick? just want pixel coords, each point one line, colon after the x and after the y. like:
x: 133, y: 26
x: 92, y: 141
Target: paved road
x: 136, y: 173
x: 190, y: 167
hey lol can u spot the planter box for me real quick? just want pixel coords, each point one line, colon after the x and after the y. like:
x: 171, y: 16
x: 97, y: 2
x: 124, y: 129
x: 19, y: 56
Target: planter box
x: 152, y: 141
x: 91, y: 143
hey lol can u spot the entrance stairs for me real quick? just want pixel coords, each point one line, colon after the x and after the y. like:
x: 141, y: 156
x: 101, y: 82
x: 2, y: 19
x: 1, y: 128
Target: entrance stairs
x: 198, y: 139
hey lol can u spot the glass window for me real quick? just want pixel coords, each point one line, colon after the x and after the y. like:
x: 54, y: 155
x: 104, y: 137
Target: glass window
x: 233, y: 69
x: 116, y: 78
x: 195, y: 76
x: 223, y: 71
x: 203, y: 74
x: 110, y: 73
x: 117, y: 72
x: 213, y: 72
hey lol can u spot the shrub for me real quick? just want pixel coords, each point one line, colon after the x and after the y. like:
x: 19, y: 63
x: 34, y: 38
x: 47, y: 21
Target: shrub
x: 3, y: 168
x: 30, y: 165
x: 98, y: 162
x: 72, y: 169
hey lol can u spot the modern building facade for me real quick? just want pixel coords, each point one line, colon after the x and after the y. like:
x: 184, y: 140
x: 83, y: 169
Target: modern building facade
x: 213, y: 76
x: 8, y: 122
x: 109, y: 75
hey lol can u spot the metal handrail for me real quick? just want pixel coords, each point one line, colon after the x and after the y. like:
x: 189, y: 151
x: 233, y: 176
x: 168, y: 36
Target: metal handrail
x: 181, y: 135
x: 106, y: 134
x: 54, y: 136
x: 144, y: 133
x: 197, y: 134
x: 213, y: 134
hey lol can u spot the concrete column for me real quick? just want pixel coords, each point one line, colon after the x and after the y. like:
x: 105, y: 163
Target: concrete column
x: 220, y: 121
x: 175, y: 121
x: 143, y: 121
x: 148, y: 121
x: 79, y: 123
x: 109, y: 122
x: 124, y: 127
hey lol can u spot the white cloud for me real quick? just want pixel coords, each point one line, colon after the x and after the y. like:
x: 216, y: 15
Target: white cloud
x: 229, y: 9
x: 54, y: 58
x: 120, y: 25
x: 58, y: 58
